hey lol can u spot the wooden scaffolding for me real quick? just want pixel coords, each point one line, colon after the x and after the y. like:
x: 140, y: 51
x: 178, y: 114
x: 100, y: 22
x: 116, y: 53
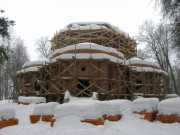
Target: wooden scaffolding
x: 107, y: 37
x: 148, y: 84
x: 28, y: 83
x: 82, y: 77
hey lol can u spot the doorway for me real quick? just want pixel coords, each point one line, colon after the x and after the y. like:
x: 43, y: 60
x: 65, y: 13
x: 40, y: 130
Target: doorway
x: 82, y: 84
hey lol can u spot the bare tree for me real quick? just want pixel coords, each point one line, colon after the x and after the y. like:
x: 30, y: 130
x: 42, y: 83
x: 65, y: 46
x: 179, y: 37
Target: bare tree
x: 158, y: 42
x: 171, y: 12
x: 17, y: 54
x: 43, y: 46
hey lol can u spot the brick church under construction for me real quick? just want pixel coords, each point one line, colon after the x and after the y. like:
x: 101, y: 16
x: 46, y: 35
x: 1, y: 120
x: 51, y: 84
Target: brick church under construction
x: 92, y: 57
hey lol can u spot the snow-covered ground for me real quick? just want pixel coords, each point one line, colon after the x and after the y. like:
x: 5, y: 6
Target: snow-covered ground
x: 130, y: 124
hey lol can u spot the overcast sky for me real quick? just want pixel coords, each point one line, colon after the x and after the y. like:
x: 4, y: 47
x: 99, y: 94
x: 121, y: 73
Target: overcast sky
x: 36, y: 18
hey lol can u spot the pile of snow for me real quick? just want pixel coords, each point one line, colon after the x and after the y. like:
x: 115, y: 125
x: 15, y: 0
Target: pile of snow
x: 45, y: 108
x: 91, y: 108
x: 113, y: 107
x: 145, y: 104
x: 169, y: 106
x: 172, y: 96
x: 71, y: 125
x: 31, y: 99
x: 92, y: 26
x: 69, y: 98
x: 7, y: 113
x: 87, y: 45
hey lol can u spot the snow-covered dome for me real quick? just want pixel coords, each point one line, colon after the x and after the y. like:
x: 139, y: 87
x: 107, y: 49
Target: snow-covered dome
x: 136, y: 61
x: 35, y: 63
x: 86, y: 51
x: 92, y: 26
x: 33, y: 66
x: 140, y: 65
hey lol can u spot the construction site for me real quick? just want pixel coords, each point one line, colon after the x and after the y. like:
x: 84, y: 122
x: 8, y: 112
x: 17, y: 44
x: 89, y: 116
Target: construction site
x: 92, y: 57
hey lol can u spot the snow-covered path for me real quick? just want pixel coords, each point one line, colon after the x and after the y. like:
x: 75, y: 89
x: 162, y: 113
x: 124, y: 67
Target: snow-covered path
x: 71, y: 125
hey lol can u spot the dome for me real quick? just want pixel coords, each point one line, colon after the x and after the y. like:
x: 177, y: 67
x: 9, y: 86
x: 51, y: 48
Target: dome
x: 87, y: 51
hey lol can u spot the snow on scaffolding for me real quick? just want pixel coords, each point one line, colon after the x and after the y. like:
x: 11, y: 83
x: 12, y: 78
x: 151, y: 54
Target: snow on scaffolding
x: 93, y: 26
x: 87, y: 45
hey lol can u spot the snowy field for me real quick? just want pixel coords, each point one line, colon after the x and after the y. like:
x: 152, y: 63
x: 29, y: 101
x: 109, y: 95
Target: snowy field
x: 130, y: 124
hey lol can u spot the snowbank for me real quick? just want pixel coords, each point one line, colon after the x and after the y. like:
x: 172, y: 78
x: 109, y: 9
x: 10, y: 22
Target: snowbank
x: 172, y: 96
x: 69, y: 98
x: 78, y: 109
x: 145, y: 104
x: 72, y: 125
x: 31, y: 99
x: 113, y: 107
x: 45, y: 108
x: 169, y: 106
x: 91, y: 109
x: 7, y: 113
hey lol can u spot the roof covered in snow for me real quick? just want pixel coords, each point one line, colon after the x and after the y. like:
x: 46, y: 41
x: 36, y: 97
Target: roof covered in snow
x: 140, y: 65
x: 87, y: 45
x: 106, y: 53
x: 136, y: 60
x: 92, y: 26
x: 29, y: 69
x: 86, y: 56
x: 35, y: 63
x: 148, y: 69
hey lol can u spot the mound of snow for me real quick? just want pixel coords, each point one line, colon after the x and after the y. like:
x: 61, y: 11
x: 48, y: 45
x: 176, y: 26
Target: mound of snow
x: 172, y: 96
x: 148, y: 104
x: 113, y: 107
x: 91, y: 108
x: 39, y: 109
x: 32, y: 99
x: 69, y: 98
x: 169, y: 106
x: 45, y: 108
x: 7, y: 112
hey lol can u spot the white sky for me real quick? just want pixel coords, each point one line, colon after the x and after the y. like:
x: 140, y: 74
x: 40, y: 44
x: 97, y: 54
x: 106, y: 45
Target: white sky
x: 36, y: 18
